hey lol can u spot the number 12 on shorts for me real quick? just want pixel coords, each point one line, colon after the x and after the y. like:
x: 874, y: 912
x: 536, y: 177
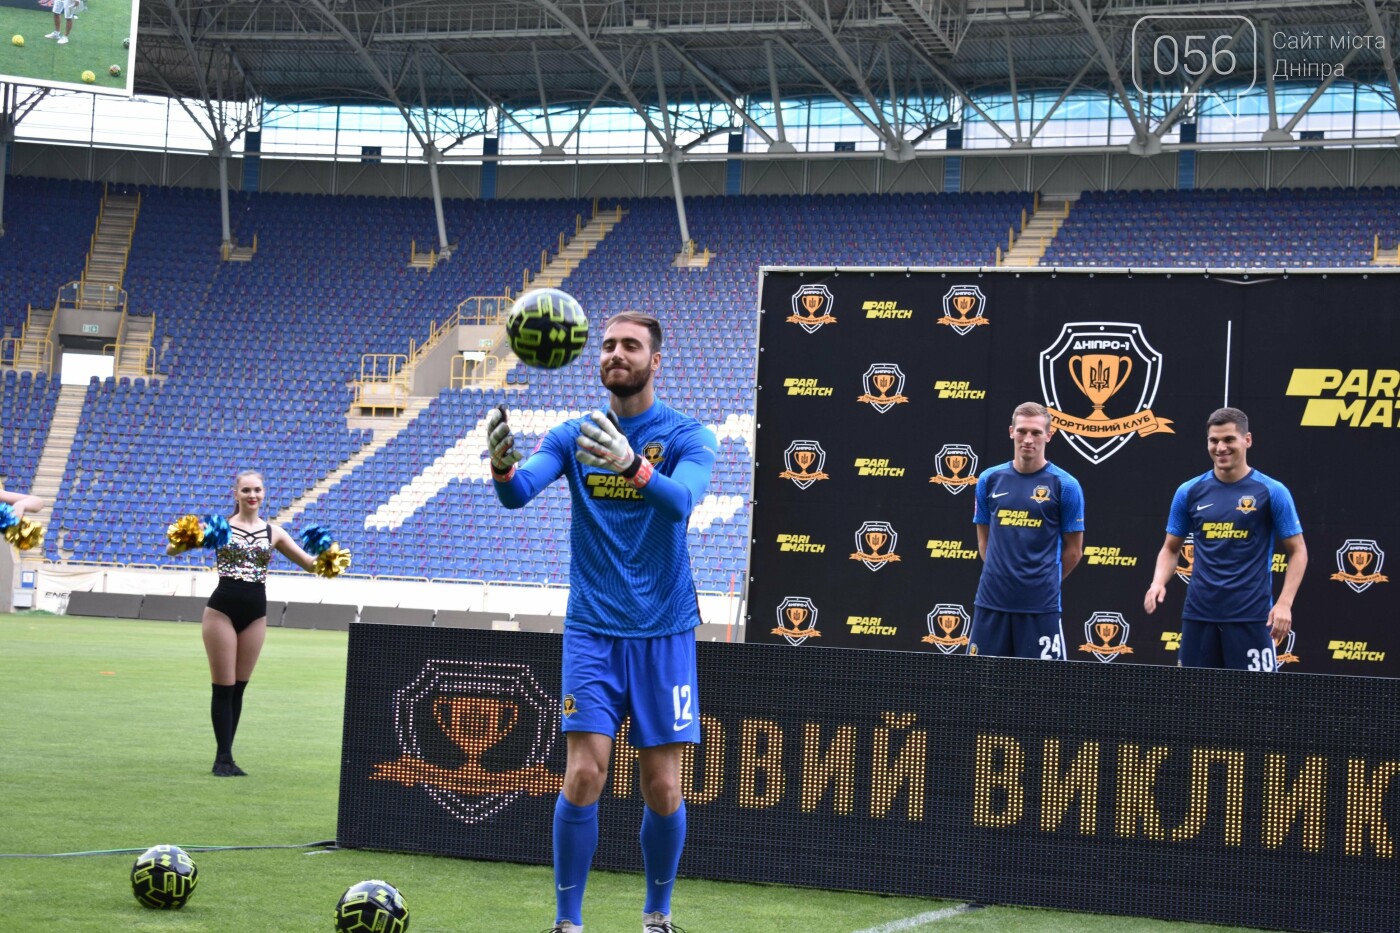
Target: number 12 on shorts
x: 680, y: 700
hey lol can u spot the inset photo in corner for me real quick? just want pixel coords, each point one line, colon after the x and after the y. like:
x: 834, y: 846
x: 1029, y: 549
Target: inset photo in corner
x: 84, y: 45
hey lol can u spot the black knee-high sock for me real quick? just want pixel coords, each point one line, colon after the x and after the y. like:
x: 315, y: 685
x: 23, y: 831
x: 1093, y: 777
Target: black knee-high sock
x: 221, y: 713
x: 238, y: 688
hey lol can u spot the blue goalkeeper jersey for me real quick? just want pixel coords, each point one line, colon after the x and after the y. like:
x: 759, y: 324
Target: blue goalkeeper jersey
x: 1027, y: 515
x: 1233, y: 527
x: 629, y: 570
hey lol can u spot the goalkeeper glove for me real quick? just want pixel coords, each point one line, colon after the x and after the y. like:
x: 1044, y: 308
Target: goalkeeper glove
x: 504, y: 456
x: 602, y: 445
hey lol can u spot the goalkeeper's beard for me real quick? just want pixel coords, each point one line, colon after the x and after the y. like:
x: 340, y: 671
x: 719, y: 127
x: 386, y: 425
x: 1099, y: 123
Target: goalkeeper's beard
x: 627, y: 387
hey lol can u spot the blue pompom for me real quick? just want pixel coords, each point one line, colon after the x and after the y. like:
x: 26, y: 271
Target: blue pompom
x: 315, y: 539
x: 215, y: 531
x: 7, y: 516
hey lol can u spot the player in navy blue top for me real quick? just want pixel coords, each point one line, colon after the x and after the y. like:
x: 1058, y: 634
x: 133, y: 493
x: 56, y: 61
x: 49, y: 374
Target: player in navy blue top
x: 1030, y: 533
x: 629, y: 642
x: 1233, y: 514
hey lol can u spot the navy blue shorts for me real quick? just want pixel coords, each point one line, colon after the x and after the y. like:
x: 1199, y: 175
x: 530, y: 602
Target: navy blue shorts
x: 650, y: 679
x: 1236, y: 646
x: 1017, y: 634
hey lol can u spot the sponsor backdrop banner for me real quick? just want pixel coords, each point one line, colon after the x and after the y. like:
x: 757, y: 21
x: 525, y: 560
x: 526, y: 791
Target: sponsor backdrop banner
x: 1212, y: 796
x: 883, y: 395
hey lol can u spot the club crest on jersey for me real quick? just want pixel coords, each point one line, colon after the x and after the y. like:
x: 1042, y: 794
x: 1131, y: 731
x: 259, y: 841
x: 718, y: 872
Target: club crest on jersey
x: 1106, y: 636
x: 960, y: 302
x: 1246, y: 504
x: 811, y: 308
x: 948, y: 628
x: 957, y: 468
x: 1099, y: 379
x: 1040, y: 494
x: 881, y: 539
x: 1186, y: 559
x: 1359, y: 562
x: 474, y: 736
x: 797, y: 620
x: 1283, y: 651
x: 653, y: 451
x: 883, y: 378
x: 809, y: 459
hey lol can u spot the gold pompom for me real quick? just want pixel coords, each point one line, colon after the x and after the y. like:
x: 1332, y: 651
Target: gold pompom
x: 332, y: 562
x: 185, y: 533
x: 25, y: 535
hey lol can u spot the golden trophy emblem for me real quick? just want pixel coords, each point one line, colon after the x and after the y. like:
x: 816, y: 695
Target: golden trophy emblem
x: 943, y: 621
x: 1106, y: 626
x: 963, y: 304
x: 1359, y: 561
x: 956, y: 464
x: 794, y: 613
x: 475, y: 724
x: 804, y: 460
x: 876, y: 540
x: 1100, y: 377
x: 1106, y: 631
x: 875, y: 535
x: 883, y: 382
x: 812, y: 304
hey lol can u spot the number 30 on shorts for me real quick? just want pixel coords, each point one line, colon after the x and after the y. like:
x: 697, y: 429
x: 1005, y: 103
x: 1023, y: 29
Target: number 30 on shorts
x: 1261, y: 659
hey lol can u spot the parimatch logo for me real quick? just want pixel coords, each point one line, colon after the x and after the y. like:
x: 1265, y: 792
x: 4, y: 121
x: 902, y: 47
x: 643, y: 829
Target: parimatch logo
x: 799, y: 544
x: 1357, y: 398
x: 1108, y: 557
x: 886, y: 311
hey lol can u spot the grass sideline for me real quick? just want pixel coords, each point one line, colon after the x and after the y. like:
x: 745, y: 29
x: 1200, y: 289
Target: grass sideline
x: 106, y: 745
x: 95, y: 44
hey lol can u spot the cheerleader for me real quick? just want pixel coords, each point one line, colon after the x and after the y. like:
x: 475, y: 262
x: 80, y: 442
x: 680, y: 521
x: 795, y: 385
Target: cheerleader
x: 235, y: 619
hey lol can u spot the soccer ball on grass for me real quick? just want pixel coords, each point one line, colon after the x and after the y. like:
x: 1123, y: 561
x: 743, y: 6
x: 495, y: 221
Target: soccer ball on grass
x: 371, y: 907
x: 164, y: 877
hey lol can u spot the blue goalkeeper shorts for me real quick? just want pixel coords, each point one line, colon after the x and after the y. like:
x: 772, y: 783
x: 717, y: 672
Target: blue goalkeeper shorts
x: 606, y: 679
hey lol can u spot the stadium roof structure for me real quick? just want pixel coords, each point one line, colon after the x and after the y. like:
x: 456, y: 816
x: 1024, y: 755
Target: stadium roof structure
x: 938, y: 58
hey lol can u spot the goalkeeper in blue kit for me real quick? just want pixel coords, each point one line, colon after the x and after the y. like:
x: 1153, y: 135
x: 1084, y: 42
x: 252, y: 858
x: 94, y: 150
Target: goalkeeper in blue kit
x: 629, y: 642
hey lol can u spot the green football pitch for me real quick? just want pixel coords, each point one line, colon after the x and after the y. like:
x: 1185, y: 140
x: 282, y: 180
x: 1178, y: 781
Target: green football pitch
x: 105, y: 747
x: 94, y: 45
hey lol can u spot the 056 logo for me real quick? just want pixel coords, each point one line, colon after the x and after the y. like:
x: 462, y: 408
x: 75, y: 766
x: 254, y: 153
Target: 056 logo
x: 1104, y: 362
x: 797, y: 620
x: 474, y: 736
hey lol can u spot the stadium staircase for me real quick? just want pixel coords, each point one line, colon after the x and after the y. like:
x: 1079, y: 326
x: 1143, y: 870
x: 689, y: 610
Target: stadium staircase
x: 58, y: 444
x: 111, y: 241
x: 1039, y: 228
x: 33, y: 348
x: 385, y: 430
x: 574, y: 250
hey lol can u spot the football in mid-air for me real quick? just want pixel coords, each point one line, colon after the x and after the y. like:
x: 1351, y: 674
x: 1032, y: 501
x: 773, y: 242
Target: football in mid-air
x: 114, y: 70
x: 371, y: 907
x: 546, y: 328
x: 89, y: 77
x: 164, y: 877
x: 17, y: 39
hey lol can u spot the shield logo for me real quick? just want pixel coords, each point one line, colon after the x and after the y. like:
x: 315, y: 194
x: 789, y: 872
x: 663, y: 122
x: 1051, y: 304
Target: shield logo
x: 948, y: 628
x: 462, y: 725
x: 957, y: 468
x: 797, y: 620
x: 1365, y: 559
x: 1246, y: 504
x: 875, y: 545
x: 1186, y: 559
x: 1099, y: 379
x: 963, y: 308
x: 1283, y: 651
x: 811, y: 308
x: 1040, y: 494
x: 808, y: 458
x: 654, y: 451
x: 884, y: 386
x: 1106, y: 636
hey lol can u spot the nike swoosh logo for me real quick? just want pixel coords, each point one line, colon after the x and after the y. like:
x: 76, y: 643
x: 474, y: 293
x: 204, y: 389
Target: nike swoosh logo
x: 998, y: 495
x: 569, y: 887
x: 1206, y: 506
x: 667, y: 881
x: 677, y: 727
